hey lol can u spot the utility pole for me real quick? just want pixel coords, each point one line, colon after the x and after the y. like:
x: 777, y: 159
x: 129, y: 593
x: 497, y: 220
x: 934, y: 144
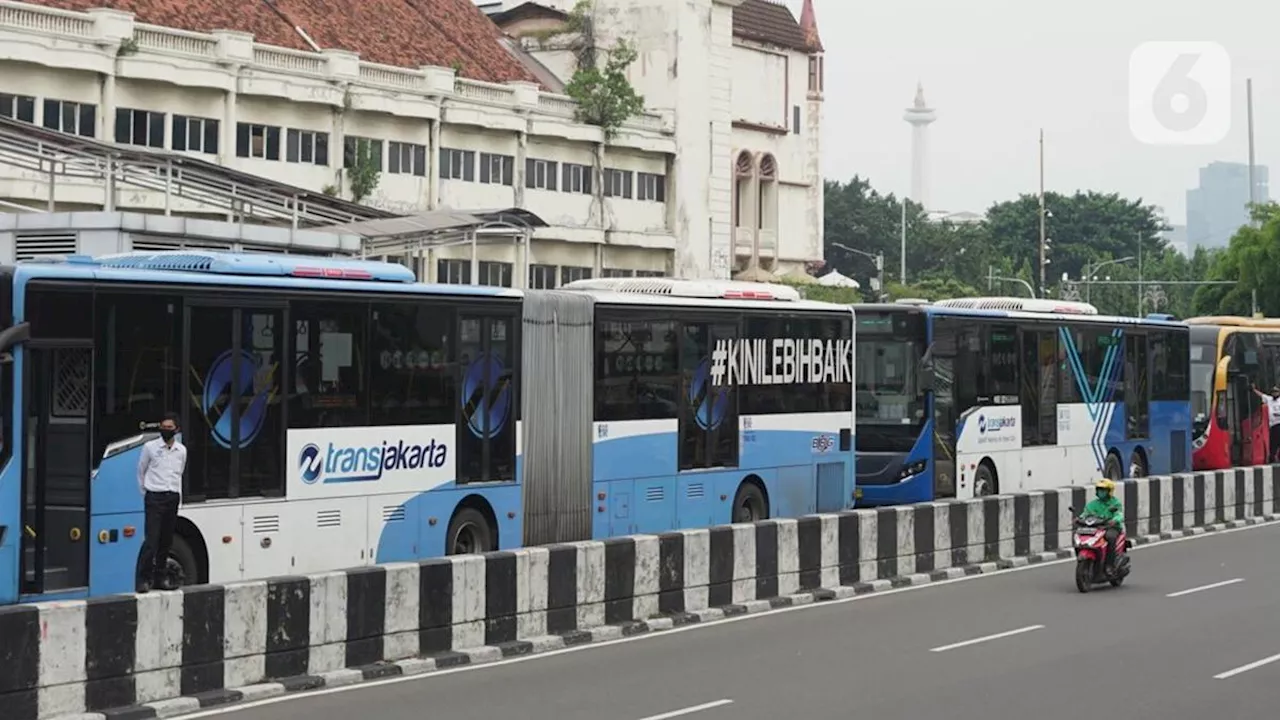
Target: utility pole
x: 1253, y: 193
x: 1042, y: 225
x: 902, y: 271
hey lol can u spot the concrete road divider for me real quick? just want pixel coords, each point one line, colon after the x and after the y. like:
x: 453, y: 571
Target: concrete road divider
x: 164, y: 653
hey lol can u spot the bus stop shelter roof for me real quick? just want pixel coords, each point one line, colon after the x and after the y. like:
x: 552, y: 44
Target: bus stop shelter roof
x: 443, y: 224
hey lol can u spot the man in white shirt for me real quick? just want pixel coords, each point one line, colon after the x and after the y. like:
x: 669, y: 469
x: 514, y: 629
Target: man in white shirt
x: 160, y: 472
x: 1273, y: 415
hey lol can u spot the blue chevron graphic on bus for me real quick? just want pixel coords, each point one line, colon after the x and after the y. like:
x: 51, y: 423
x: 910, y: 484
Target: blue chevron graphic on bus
x: 337, y: 463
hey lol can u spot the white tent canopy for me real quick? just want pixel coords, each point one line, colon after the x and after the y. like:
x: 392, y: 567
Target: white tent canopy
x: 835, y: 279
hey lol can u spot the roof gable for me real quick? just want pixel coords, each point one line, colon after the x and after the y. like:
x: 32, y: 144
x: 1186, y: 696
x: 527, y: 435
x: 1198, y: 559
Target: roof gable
x: 769, y: 22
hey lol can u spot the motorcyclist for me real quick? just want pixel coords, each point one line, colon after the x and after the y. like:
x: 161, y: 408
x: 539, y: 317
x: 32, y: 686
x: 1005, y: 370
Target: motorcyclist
x: 1107, y: 507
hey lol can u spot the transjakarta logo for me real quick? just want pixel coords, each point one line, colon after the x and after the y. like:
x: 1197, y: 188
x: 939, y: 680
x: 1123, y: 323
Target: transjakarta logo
x: 995, y: 424
x: 345, y: 464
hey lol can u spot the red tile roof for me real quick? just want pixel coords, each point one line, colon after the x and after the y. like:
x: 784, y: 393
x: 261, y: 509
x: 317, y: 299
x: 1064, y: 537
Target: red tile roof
x: 770, y: 23
x: 404, y: 33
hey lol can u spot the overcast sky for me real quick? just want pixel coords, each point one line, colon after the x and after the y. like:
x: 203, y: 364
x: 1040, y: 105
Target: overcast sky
x: 999, y: 70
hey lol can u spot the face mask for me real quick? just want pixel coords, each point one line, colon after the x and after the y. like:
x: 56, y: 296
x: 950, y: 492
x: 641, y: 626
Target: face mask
x: 167, y: 434
x: 1102, y: 494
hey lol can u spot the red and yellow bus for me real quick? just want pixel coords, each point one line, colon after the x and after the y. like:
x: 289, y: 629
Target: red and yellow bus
x: 1230, y: 356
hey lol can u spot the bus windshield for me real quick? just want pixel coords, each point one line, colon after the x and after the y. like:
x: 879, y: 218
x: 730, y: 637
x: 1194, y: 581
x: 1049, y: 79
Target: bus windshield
x: 889, y: 350
x: 1202, y: 370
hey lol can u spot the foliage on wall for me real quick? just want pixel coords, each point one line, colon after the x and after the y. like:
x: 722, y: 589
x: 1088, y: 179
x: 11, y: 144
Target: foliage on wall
x: 604, y: 95
x: 362, y: 174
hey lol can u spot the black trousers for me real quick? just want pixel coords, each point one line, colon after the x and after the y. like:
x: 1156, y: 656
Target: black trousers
x: 1112, y: 535
x: 1275, y: 442
x: 162, y: 517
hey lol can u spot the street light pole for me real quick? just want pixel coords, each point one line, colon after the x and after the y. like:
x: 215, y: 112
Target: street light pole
x: 877, y: 257
x: 1042, y: 224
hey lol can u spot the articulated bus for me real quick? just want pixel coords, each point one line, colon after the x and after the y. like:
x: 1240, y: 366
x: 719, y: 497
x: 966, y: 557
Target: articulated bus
x: 336, y: 413
x: 1229, y: 357
x: 980, y: 396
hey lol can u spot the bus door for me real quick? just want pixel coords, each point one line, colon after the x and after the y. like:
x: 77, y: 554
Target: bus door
x: 233, y: 426
x: 945, y: 353
x: 55, y: 483
x: 486, y: 432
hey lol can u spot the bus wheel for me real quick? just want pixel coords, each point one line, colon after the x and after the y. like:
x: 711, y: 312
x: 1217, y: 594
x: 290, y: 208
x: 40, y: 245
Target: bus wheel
x: 984, y: 481
x: 749, y: 504
x: 1137, y: 465
x: 469, y: 533
x: 181, y: 563
x: 1112, y: 469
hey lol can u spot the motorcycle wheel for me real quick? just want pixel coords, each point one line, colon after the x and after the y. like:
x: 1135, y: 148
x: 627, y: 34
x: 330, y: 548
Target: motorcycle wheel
x: 1084, y: 575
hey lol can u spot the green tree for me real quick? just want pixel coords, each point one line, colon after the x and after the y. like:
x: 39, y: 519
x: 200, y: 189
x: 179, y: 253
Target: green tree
x: 1084, y: 228
x: 1252, y: 262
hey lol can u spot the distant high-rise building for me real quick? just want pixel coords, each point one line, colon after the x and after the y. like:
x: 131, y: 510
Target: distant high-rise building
x: 1220, y: 205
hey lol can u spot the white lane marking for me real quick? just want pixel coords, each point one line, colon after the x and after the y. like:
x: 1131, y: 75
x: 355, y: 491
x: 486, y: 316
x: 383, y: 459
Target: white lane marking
x: 1202, y: 588
x: 988, y: 638
x: 689, y: 710
x: 683, y: 629
x: 1246, y: 668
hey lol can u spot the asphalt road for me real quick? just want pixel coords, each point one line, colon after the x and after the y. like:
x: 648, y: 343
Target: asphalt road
x: 1134, y: 652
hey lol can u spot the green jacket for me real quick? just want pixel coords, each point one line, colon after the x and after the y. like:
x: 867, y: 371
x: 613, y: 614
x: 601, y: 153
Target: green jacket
x: 1109, y: 509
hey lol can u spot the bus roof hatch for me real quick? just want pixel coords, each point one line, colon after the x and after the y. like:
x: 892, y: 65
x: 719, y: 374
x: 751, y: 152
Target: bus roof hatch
x: 259, y: 264
x: 710, y: 289
x: 1028, y: 305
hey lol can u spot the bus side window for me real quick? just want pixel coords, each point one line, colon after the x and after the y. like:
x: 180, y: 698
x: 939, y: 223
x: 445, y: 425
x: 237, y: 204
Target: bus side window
x: 1001, y: 364
x: 139, y: 354
x: 329, y: 378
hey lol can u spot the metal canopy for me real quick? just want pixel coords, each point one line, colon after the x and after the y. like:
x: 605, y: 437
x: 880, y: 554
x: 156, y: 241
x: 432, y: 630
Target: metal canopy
x: 411, y: 235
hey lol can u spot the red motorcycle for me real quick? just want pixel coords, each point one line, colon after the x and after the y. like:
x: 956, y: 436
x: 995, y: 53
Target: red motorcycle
x: 1092, y: 568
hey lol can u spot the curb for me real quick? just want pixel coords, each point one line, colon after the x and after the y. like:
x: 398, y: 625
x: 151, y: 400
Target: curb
x: 305, y: 684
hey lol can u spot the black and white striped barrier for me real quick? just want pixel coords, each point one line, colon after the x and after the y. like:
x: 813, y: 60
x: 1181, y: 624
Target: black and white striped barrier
x: 160, y: 654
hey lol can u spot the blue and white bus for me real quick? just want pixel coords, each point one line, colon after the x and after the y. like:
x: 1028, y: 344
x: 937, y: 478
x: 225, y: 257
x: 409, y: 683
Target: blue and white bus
x: 337, y: 413
x: 980, y: 396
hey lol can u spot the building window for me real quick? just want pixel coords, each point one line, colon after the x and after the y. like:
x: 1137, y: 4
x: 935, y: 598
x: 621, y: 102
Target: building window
x: 71, y: 117
x: 257, y: 141
x: 617, y: 273
x: 540, y: 174
x: 195, y: 134
x: 795, y: 119
x: 569, y: 273
x: 453, y: 272
x: 497, y: 169
x: 18, y: 107
x: 650, y: 273
x: 457, y: 164
x: 542, y: 277
x: 577, y: 178
x: 617, y: 183
x: 497, y: 274
x: 307, y: 146
x: 370, y: 150
x: 822, y: 74
x: 813, y: 75
x: 651, y: 187
x: 407, y: 159
x: 140, y: 127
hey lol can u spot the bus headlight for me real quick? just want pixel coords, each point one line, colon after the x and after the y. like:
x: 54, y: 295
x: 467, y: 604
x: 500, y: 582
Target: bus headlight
x: 912, y: 470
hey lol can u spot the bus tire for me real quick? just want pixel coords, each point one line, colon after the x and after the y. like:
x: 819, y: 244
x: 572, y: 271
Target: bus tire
x: 469, y: 533
x: 984, y: 480
x: 181, y: 564
x: 1138, y: 464
x: 749, y: 504
x: 1112, y: 469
